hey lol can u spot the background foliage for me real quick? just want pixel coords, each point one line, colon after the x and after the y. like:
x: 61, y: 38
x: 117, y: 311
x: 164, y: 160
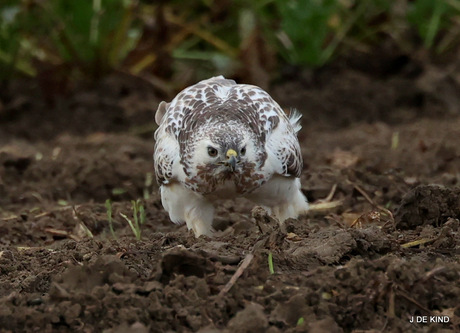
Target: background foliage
x: 172, y: 42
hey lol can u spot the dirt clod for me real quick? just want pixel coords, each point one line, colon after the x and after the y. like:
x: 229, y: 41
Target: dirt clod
x: 428, y: 205
x: 250, y: 319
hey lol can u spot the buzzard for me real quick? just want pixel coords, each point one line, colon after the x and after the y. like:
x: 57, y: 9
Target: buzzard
x: 221, y: 140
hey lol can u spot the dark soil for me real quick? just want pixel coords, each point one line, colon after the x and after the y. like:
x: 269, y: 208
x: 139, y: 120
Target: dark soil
x: 384, y: 250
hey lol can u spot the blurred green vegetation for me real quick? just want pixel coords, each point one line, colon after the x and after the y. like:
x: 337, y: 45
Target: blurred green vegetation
x: 177, y: 41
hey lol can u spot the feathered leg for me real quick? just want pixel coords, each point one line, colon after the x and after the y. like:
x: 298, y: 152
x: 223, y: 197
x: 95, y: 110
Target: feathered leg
x: 282, y: 197
x: 184, y: 205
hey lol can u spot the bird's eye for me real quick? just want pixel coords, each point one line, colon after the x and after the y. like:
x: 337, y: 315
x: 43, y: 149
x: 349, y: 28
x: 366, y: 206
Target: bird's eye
x: 243, y: 151
x: 212, y: 151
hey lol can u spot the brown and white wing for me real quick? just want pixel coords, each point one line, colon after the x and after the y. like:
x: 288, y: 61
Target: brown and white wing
x: 166, y: 151
x: 277, y: 130
x: 293, y: 156
x: 283, y: 147
x: 165, y: 156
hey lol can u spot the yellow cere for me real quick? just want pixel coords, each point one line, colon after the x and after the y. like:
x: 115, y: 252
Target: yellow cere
x: 231, y: 153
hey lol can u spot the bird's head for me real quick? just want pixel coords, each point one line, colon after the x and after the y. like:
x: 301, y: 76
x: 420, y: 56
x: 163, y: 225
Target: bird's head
x: 225, y: 152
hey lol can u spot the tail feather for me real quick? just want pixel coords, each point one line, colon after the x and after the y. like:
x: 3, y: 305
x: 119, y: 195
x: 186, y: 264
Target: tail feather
x: 294, y: 119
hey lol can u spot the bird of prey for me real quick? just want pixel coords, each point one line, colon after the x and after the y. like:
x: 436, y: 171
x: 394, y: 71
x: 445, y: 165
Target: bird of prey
x: 221, y: 140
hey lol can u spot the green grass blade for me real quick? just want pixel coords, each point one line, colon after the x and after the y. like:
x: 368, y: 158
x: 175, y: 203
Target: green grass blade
x: 142, y: 214
x: 270, y: 263
x: 135, y: 230
x: 108, y: 206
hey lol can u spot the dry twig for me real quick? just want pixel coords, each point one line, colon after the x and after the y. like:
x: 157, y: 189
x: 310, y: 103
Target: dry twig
x: 326, y: 203
x: 244, y: 264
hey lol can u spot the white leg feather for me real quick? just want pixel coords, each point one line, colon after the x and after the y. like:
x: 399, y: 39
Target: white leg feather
x: 283, y: 197
x: 184, y: 205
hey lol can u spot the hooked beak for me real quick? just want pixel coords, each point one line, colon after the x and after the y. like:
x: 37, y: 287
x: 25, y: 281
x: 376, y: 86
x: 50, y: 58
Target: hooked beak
x: 231, y: 159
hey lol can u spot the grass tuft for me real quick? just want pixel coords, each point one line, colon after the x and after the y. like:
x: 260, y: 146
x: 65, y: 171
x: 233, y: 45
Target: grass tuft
x: 139, y: 217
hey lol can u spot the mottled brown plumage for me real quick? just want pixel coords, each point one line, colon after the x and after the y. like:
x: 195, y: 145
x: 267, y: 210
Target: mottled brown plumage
x: 219, y: 140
